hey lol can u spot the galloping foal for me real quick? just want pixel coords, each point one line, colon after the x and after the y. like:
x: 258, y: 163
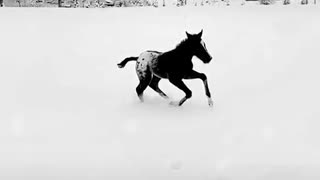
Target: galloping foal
x: 175, y: 65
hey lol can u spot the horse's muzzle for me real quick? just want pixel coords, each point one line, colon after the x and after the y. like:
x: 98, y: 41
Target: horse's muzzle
x: 209, y: 59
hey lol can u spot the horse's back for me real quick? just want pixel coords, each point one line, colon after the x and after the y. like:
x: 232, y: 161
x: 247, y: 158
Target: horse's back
x: 147, y: 58
x: 148, y: 63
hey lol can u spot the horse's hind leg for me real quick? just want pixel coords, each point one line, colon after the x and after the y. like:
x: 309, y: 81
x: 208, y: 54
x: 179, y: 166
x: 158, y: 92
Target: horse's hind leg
x: 144, y: 78
x: 154, y: 84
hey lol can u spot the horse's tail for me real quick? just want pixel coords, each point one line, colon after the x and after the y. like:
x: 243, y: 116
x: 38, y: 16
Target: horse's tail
x: 124, y: 62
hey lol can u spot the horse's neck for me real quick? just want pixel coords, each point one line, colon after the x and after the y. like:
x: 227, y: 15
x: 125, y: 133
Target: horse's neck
x: 183, y: 54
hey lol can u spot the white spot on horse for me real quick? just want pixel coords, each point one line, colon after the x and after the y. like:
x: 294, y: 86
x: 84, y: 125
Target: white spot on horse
x: 210, y: 102
x: 144, y: 60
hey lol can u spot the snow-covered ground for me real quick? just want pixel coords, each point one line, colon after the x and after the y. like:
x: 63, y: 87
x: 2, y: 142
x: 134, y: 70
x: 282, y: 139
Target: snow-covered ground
x: 68, y: 112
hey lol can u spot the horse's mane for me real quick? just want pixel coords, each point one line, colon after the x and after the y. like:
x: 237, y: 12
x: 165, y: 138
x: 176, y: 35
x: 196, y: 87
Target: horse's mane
x: 182, y: 44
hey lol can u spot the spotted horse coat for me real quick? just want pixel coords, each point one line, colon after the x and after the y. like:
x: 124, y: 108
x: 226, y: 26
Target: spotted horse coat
x: 175, y: 65
x: 148, y: 72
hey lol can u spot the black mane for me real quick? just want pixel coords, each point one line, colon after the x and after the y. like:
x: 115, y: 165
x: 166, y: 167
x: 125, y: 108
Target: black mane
x: 183, y: 44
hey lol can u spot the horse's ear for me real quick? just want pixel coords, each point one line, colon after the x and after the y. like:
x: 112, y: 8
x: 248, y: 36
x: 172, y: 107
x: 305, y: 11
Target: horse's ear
x: 200, y: 34
x: 188, y: 35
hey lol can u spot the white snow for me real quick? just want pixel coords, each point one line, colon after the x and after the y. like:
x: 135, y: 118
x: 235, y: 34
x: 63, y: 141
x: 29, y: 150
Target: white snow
x: 68, y: 112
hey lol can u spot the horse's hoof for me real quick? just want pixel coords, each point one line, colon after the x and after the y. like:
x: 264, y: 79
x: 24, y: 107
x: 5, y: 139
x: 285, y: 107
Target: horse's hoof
x: 141, y: 99
x: 120, y: 66
x: 166, y: 97
x: 174, y: 103
x: 210, y: 102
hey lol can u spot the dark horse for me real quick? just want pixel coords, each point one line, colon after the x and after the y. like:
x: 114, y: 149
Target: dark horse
x: 174, y: 65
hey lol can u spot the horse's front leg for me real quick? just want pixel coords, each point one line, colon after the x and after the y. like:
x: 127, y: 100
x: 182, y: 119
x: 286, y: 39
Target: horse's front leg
x: 179, y: 84
x: 196, y: 75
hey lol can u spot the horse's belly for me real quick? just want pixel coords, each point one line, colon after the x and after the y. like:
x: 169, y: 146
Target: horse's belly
x: 157, y: 72
x: 156, y: 69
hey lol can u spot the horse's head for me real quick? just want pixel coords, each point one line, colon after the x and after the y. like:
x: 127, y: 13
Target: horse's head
x: 199, y: 47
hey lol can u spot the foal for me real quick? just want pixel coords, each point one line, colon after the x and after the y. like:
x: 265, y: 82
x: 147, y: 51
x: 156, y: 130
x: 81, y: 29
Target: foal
x: 174, y: 65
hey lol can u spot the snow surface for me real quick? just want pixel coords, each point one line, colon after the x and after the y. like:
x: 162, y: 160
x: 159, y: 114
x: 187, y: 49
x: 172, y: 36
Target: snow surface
x: 68, y: 112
